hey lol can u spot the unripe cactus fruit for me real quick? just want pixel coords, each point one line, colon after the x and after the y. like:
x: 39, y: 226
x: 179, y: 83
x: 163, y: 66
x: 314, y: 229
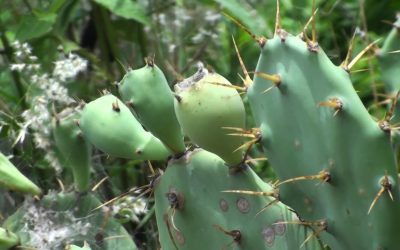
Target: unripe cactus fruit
x: 109, y: 124
x: 7, y: 239
x: 12, y: 179
x: 147, y: 91
x: 75, y: 150
x: 205, y: 106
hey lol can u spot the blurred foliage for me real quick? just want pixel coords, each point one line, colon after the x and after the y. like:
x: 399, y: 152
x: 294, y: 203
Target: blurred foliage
x: 113, y: 35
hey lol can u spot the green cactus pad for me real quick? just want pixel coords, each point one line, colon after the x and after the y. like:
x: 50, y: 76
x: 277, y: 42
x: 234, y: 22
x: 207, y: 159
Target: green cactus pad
x: 147, y: 90
x: 12, y: 179
x: 74, y: 149
x: 7, y: 239
x: 109, y: 125
x: 314, y: 123
x: 202, y: 210
x: 204, y: 110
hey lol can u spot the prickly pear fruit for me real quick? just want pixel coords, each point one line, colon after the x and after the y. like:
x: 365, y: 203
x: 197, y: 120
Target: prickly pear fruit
x: 75, y: 150
x: 12, y: 179
x: 7, y: 239
x: 206, y: 106
x: 147, y: 91
x: 109, y: 125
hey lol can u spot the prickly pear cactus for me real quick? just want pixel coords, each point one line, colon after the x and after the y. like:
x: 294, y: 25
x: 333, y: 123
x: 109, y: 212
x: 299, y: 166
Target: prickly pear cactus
x: 338, y: 179
x: 334, y: 161
x: 191, y: 205
x: 193, y: 211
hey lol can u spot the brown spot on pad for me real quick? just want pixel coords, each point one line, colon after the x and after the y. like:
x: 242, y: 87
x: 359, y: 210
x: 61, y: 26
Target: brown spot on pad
x: 179, y: 238
x: 268, y: 235
x: 243, y: 205
x: 223, y: 204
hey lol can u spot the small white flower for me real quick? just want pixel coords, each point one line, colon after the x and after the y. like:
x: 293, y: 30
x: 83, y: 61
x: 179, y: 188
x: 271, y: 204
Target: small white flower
x: 52, y: 159
x: 198, y: 38
x: 34, y: 78
x: 178, y: 23
x: 182, y: 14
x: 139, y: 207
x: 211, y: 16
x: 41, y: 141
x: 69, y: 67
x: 360, y: 32
x: 162, y: 18
x: 17, y: 67
x: 33, y: 58
x: 16, y: 44
x: 55, y: 91
x: 26, y: 48
x: 171, y: 48
x: 19, y: 54
x: 33, y: 66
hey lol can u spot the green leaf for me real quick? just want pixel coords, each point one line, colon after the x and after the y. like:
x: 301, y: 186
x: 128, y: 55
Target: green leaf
x: 34, y: 26
x: 239, y: 12
x: 68, y: 45
x: 56, y: 5
x: 127, y: 9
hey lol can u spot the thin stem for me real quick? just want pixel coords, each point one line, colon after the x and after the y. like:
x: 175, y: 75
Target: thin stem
x: 15, y: 75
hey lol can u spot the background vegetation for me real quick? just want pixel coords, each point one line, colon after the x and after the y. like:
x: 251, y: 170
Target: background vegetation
x: 106, y: 37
